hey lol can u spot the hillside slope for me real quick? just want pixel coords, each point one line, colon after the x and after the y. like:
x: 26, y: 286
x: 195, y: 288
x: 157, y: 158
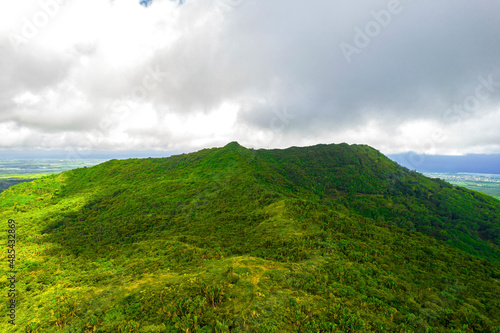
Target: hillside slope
x: 329, y: 238
x: 370, y: 184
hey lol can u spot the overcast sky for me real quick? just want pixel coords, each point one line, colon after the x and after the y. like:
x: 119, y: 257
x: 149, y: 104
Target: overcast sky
x: 405, y: 75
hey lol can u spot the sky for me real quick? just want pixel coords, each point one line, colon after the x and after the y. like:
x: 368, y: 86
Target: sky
x: 118, y: 75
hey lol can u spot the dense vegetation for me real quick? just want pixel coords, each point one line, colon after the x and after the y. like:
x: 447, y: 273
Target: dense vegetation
x: 330, y: 238
x: 5, y: 183
x: 367, y: 182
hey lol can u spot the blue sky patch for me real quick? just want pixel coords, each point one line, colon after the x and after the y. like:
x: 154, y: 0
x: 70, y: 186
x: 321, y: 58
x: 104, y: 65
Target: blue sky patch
x: 146, y: 3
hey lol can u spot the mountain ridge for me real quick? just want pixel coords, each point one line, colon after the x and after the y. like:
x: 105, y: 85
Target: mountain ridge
x: 323, y: 238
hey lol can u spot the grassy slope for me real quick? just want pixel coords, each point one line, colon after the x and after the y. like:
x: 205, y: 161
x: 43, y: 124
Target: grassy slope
x: 241, y: 240
x: 370, y: 184
x: 7, y: 182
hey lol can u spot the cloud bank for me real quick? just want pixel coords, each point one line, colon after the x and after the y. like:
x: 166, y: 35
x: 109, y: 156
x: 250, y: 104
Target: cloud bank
x: 115, y: 75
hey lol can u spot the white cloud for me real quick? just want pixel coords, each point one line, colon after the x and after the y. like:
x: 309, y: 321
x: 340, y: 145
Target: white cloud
x: 103, y: 74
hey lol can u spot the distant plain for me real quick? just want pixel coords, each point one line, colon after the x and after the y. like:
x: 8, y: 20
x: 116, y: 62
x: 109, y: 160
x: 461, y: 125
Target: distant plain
x: 15, y: 171
x: 481, y: 182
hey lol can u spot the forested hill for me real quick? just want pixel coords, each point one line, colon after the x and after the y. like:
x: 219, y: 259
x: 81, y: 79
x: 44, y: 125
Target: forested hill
x: 328, y: 238
x: 368, y: 183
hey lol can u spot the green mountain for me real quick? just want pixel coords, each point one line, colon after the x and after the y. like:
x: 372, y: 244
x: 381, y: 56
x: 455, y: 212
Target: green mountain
x: 328, y: 238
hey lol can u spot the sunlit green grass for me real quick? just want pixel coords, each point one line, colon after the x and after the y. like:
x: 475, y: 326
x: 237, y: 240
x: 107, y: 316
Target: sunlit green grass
x: 321, y: 239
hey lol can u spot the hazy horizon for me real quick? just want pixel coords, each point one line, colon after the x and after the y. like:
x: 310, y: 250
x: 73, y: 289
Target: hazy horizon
x: 480, y: 163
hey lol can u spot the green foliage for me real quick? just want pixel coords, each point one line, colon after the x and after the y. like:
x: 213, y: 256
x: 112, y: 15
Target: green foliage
x: 7, y: 182
x: 330, y: 238
x: 368, y: 183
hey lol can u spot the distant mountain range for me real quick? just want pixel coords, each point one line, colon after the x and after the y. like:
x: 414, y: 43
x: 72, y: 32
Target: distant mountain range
x: 476, y: 163
x: 327, y: 238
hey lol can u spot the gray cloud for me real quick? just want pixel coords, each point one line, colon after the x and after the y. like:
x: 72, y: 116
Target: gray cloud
x: 428, y: 58
x: 412, y: 62
x: 31, y: 69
